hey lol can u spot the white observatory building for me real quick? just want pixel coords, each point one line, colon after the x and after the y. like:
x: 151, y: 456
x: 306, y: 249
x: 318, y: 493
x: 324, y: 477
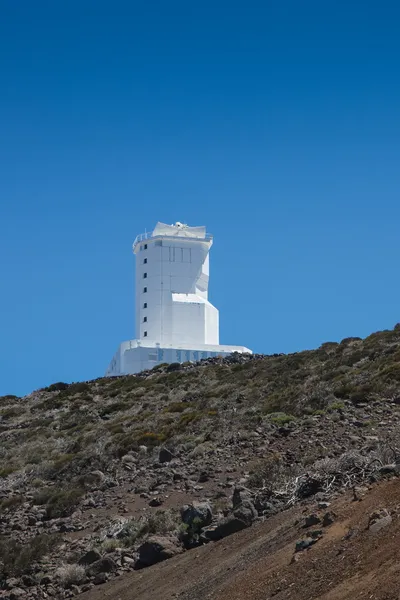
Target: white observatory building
x: 175, y: 322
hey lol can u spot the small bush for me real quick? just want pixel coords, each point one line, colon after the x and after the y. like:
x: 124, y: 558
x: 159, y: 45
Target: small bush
x: 174, y: 367
x: 150, y: 439
x: 17, y: 559
x: 188, y: 418
x: 281, y: 418
x: 12, y: 411
x: 11, y: 502
x: 336, y: 406
x: 160, y: 522
x: 115, y: 407
x: 266, y: 472
x: 70, y: 575
x: 6, y: 471
x: 78, y: 388
x: 60, y: 502
x: 57, y: 387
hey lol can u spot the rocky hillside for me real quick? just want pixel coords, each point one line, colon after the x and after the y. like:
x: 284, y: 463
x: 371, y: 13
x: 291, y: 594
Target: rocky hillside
x: 113, y: 475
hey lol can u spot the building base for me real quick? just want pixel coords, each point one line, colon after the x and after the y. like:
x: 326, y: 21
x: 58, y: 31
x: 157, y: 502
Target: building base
x: 135, y: 356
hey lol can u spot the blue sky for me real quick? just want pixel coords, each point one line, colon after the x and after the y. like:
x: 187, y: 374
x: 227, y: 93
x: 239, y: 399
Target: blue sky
x: 276, y: 124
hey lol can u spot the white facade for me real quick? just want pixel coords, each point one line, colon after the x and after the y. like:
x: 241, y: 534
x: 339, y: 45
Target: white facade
x: 174, y: 319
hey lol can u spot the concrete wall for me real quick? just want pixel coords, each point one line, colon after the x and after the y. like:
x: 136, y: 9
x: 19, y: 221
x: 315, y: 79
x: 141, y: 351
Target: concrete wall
x: 172, y: 307
x: 131, y: 357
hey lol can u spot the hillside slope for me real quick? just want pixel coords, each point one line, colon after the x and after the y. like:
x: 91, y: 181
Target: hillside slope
x: 350, y: 560
x: 91, y: 472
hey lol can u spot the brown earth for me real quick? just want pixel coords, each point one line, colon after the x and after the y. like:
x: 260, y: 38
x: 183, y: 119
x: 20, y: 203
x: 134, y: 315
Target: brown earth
x: 348, y: 562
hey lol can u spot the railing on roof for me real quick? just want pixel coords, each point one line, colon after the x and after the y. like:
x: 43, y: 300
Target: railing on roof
x: 149, y: 234
x: 142, y: 236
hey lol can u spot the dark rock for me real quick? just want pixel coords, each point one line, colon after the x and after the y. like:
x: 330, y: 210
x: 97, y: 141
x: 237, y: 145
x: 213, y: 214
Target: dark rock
x: 379, y: 519
x: 28, y: 580
x: 393, y: 469
x: 226, y: 527
x: 312, y: 520
x: 100, y: 578
x: 309, y: 487
x: 165, y: 455
x: 304, y: 544
x: 89, y: 558
x: 46, y: 580
x: 309, y: 541
x: 199, y: 511
x: 203, y: 477
x: 156, y: 501
x: 239, y: 495
x: 246, y: 512
x: 104, y: 565
x: 66, y: 528
x: 328, y: 519
x: 156, y: 549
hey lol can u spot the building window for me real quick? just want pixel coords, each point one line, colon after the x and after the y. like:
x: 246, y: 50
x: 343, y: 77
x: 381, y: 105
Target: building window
x: 144, y: 290
x: 145, y: 305
x: 144, y: 275
x: 144, y: 319
x: 145, y: 334
x: 145, y: 261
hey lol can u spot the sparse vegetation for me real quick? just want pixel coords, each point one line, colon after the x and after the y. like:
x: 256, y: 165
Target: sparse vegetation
x: 265, y: 421
x: 70, y: 574
x: 59, y: 502
x: 16, y: 558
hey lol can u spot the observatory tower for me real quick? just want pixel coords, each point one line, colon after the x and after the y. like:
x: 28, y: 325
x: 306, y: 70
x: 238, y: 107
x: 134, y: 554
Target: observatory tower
x: 175, y: 322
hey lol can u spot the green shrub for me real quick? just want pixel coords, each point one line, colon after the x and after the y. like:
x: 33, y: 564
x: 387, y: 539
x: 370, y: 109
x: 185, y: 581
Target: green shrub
x: 149, y: 438
x: 17, y: 559
x: 12, y: 411
x: 78, y: 388
x: 174, y: 367
x: 337, y: 406
x: 177, y: 407
x: 61, y: 461
x: 11, y: 502
x: 190, y: 417
x: 281, y: 418
x: 60, y: 502
x: 57, y: 387
x: 6, y: 471
x: 115, y: 407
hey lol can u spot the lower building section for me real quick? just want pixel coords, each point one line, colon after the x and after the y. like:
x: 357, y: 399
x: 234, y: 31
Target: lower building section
x: 133, y: 356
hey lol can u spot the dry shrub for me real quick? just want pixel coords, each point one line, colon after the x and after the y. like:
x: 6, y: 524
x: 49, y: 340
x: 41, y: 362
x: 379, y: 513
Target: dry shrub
x: 70, y: 574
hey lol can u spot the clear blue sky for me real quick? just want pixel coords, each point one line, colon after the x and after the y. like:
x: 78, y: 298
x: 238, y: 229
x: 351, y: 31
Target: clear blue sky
x: 276, y: 124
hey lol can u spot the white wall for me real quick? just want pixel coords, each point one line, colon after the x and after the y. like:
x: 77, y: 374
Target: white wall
x: 175, y: 266
x: 131, y: 357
